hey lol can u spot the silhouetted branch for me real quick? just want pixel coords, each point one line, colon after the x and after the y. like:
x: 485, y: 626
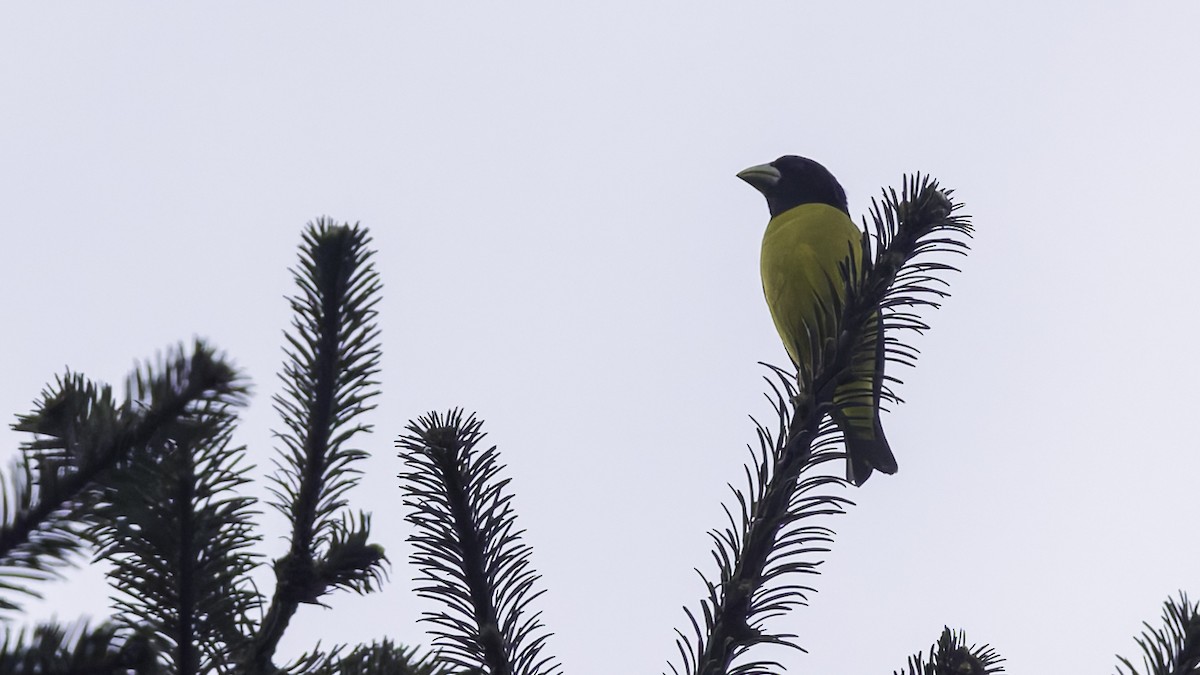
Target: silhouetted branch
x: 470, y: 555
x: 1173, y: 649
x: 951, y: 656
x: 82, y: 436
x: 332, y: 360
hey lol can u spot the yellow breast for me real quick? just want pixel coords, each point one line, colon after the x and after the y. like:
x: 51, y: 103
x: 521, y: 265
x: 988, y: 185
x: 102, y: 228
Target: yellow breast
x: 801, y: 253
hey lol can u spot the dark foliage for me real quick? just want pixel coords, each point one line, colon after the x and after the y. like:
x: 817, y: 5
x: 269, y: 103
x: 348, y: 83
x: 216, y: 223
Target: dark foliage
x: 179, y: 537
x: 152, y: 484
x: 951, y: 656
x: 378, y: 658
x: 470, y: 555
x: 1173, y: 649
x: 53, y: 649
x: 328, y: 378
x: 81, y: 436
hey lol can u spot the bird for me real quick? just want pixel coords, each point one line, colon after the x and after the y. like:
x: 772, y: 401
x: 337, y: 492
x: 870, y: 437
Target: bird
x: 809, y: 246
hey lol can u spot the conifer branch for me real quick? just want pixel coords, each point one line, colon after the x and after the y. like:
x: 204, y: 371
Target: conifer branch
x: 77, y: 649
x: 178, y: 537
x: 82, y: 435
x: 328, y: 377
x: 469, y: 552
x: 1173, y: 649
x: 383, y: 657
x: 951, y: 656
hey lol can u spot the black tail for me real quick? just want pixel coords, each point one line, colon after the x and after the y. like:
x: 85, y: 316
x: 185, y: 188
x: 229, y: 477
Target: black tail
x: 863, y: 454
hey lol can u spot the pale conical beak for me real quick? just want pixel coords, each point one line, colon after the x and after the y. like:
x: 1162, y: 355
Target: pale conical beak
x: 762, y: 177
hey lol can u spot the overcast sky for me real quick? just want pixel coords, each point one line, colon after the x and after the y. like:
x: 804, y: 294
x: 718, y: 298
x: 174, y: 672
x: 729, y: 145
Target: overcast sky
x: 565, y: 249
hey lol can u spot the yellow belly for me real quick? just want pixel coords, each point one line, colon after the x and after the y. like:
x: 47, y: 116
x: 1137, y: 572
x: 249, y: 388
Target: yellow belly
x: 803, y: 249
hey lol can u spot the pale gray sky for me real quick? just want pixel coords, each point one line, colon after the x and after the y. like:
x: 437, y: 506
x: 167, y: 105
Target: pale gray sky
x: 565, y: 249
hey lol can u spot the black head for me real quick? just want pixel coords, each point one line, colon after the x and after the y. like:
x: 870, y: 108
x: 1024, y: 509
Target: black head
x: 791, y: 181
